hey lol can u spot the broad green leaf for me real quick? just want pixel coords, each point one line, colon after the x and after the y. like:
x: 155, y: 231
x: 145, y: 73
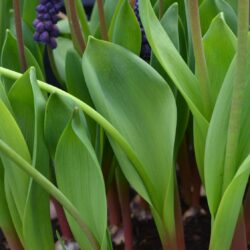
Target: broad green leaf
x: 211, y: 8
x: 3, y: 96
x: 9, y: 59
x: 16, y: 181
x: 230, y: 15
x: 79, y: 177
x: 63, y: 46
x: 219, y: 40
x: 229, y: 209
x: 58, y: 111
x: 6, y: 223
x: 76, y: 85
x: 125, y: 29
x: 170, y: 23
x: 217, y: 138
x: 178, y: 71
x: 28, y: 104
x: 171, y: 61
x: 140, y: 105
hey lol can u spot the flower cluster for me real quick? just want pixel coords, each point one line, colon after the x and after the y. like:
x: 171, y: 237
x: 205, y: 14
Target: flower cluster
x: 45, y: 22
x: 145, y: 47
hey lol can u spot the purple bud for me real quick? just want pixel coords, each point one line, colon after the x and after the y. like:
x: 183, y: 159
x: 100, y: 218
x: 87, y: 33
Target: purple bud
x: 36, y: 21
x: 44, y: 37
x: 40, y: 27
x: 41, y: 8
x: 36, y: 36
x: 55, y: 31
x: 52, y: 43
x: 46, y: 16
x: 48, y: 25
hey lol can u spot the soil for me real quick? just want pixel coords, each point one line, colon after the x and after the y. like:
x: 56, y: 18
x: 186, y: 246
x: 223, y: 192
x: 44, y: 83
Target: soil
x: 197, y: 232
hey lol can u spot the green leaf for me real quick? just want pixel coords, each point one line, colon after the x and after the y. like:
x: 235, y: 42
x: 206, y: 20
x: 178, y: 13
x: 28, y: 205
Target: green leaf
x: 6, y: 223
x: 5, y: 7
x: 123, y: 25
x: 140, y: 105
x: 171, y: 61
x: 79, y: 177
x: 76, y: 85
x: 9, y: 59
x: 63, y: 46
x: 16, y: 181
x: 217, y: 138
x: 28, y: 104
x: 29, y: 13
x: 219, y: 40
x: 229, y: 209
x: 178, y: 71
x: 58, y: 111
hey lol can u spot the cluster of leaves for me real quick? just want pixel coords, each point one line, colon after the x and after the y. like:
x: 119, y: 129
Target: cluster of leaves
x: 111, y: 102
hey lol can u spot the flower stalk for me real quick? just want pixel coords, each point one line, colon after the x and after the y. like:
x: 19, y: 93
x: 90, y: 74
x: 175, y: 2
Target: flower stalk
x: 77, y: 36
x: 103, y: 25
x: 200, y: 60
x: 240, y: 82
x: 19, y: 34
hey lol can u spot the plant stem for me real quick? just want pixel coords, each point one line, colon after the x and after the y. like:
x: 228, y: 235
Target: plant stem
x: 240, y: 81
x: 200, y: 60
x: 19, y: 34
x: 103, y: 26
x: 83, y: 19
x: 123, y: 192
x: 75, y: 27
x: 107, y: 126
x: 161, y: 8
x: 50, y: 188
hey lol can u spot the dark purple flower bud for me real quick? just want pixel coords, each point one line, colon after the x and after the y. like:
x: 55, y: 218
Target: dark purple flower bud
x: 45, y: 23
x: 44, y: 37
x: 48, y: 25
x: 41, y: 8
x: 36, y: 21
x: 36, y: 36
x: 40, y: 27
x: 52, y: 43
x: 145, y: 47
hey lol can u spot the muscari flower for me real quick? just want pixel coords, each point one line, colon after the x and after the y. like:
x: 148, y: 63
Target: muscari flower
x: 45, y: 22
x: 145, y: 47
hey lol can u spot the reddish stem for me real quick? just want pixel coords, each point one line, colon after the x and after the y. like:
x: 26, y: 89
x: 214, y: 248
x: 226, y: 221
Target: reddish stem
x: 123, y: 191
x: 19, y: 34
x: 13, y: 240
x: 247, y: 213
x: 113, y: 205
x: 180, y: 240
x: 239, y: 240
x: 103, y: 25
x: 62, y: 220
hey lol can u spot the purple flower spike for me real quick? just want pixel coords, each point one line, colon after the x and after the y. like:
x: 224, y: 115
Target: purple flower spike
x: 45, y: 22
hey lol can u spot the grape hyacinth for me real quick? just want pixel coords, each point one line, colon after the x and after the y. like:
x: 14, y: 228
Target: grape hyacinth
x: 145, y: 47
x: 45, y: 22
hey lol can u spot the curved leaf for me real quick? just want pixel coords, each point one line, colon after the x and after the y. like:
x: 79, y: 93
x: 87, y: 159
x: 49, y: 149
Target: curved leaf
x: 125, y: 29
x: 140, y: 105
x: 9, y: 59
x: 229, y: 209
x: 28, y: 104
x: 79, y: 177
